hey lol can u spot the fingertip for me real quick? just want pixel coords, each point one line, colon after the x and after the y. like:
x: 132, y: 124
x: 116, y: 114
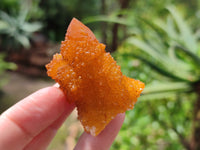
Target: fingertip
x: 112, y: 129
x: 120, y: 118
x: 52, y: 91
x: 105, y: 139
x: 56, y: 85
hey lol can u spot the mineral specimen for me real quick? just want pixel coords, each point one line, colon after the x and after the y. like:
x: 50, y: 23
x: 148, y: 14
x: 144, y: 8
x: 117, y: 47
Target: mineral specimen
x: 91, y: 79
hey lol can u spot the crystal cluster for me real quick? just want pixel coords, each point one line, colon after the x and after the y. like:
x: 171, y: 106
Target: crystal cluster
x: 91, y: 79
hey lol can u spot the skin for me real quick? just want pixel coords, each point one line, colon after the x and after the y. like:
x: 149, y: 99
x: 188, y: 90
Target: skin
x: 33, y: 122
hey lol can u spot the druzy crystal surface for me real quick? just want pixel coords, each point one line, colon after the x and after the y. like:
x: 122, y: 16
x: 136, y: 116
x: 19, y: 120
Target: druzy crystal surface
x: 91, y: 79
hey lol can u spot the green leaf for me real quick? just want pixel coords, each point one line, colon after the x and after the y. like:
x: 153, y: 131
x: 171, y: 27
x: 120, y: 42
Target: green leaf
x: 31, y: 27
x: 156, y: 67
x: 5, y: 17
x: 157, y: 96
x: 157, y: 38
x: 6, y: 65
x: 161, y: 59
x: 155, y: 27
x: 185, y: 31
x: 160, y: 91
x: 146, y: 48
x: 170, y: 29
x: 167, y: 87
x: 23, y: 40
x: 189, y: 53
x: 3, y: 25
x: 110, y: 19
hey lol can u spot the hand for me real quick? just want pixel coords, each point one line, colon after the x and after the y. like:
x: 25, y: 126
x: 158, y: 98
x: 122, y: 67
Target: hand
x: 33, y: 122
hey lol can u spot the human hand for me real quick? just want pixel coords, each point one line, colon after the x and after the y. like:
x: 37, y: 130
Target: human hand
x: 32, y: 123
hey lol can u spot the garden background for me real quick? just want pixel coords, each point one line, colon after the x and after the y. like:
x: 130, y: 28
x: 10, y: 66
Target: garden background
x: 157, y: 42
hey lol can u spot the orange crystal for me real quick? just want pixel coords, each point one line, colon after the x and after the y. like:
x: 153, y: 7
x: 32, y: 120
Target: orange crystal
x: 91, y: 79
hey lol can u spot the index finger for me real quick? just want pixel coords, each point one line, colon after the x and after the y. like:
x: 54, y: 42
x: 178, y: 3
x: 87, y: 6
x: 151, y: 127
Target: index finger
x: 26, y: 119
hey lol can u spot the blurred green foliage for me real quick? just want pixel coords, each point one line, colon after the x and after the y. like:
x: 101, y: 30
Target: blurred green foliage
x: 15, y: 28
x: 58, y: 15
x: 156, y: 125
x: 9, y: 6
x: 3, y: 67
x: 167, y: 51
x: 13, y: 7
x: 15, y: 32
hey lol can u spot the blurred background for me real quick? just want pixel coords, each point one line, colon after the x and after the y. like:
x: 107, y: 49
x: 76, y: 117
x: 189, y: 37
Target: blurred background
x: 156, y: 42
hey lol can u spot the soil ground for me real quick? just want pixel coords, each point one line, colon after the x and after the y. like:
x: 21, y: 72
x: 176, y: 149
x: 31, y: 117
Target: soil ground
x: 20, y: 86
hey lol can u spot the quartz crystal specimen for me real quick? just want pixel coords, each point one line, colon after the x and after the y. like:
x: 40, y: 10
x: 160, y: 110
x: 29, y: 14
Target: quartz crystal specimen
x: 91, y: 79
